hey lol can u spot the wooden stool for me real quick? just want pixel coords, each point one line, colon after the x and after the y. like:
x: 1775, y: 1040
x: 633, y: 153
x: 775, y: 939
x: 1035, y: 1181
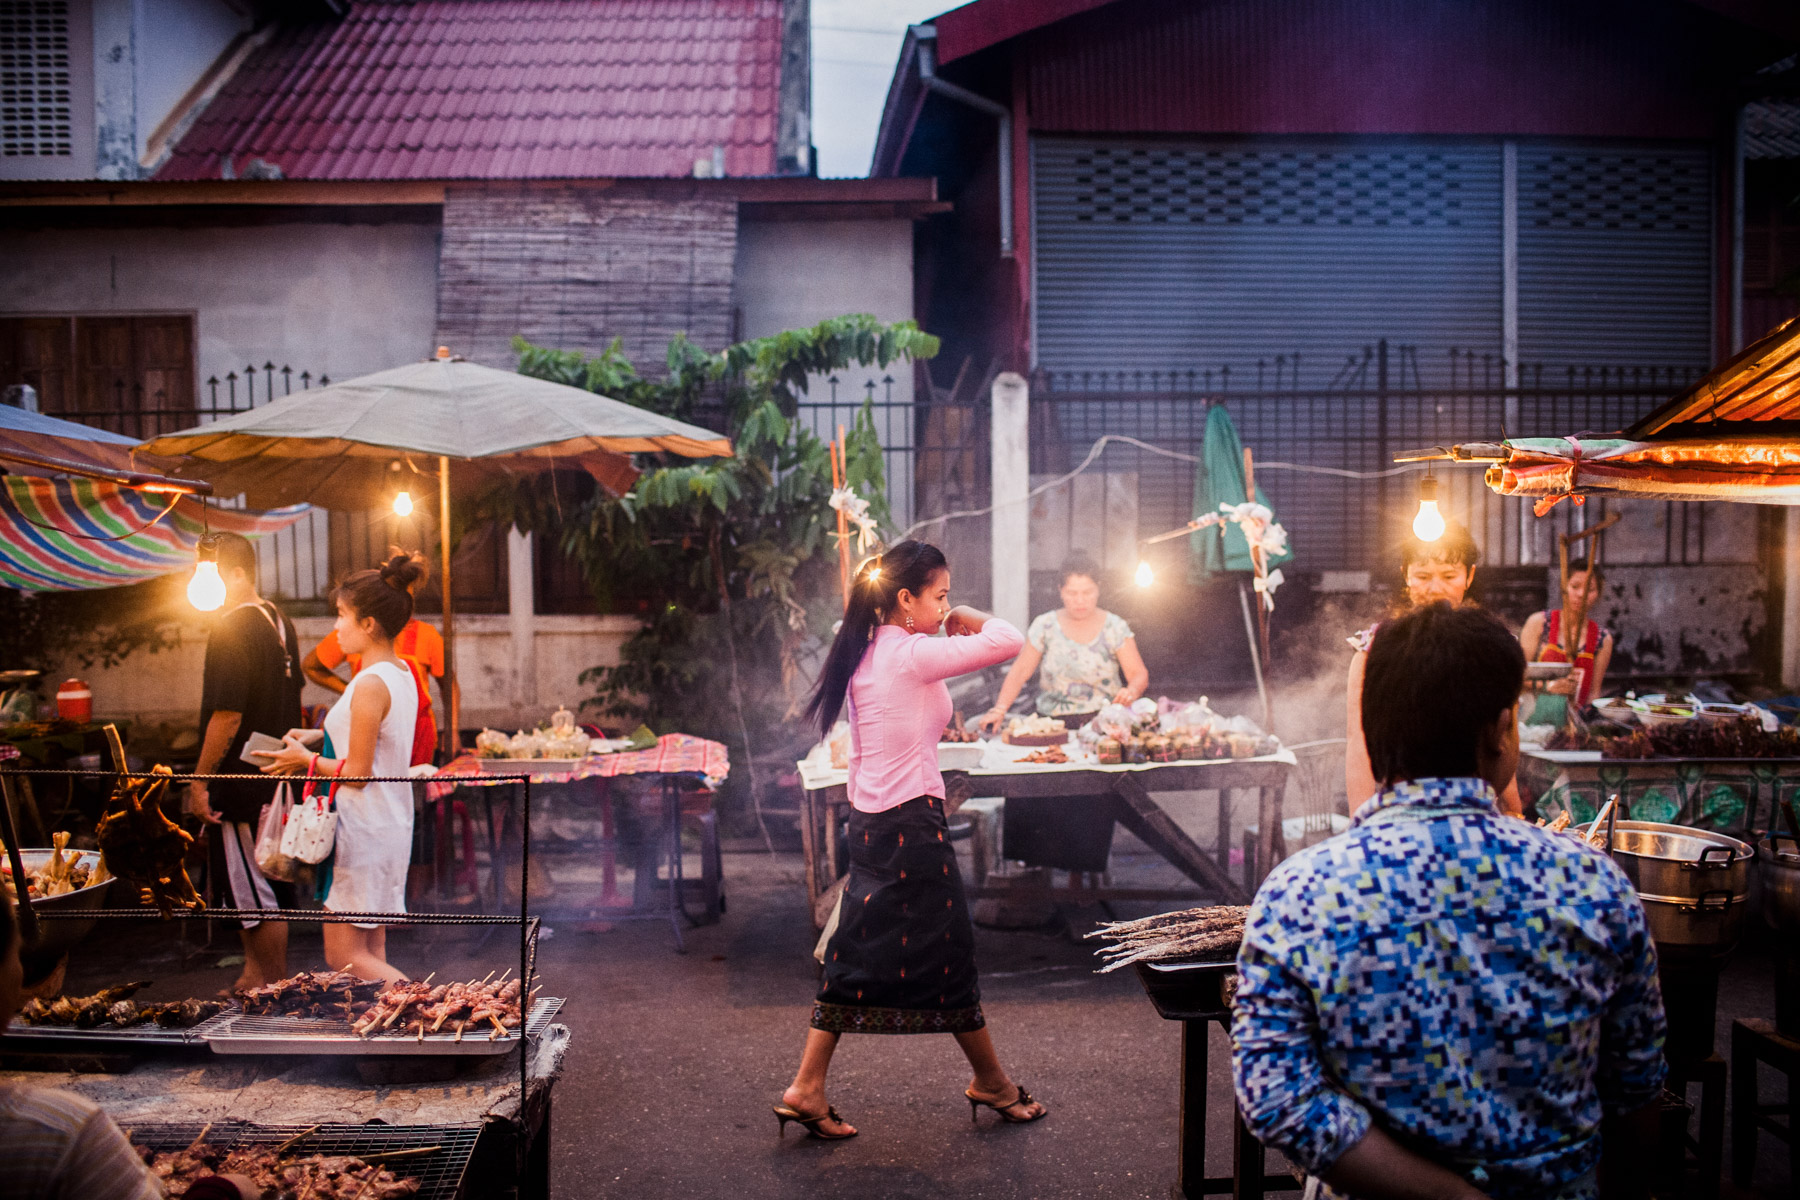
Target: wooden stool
x: 1752, y: 1042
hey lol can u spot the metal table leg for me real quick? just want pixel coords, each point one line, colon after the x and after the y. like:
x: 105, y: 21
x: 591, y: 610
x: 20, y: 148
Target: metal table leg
x: 672, y: 806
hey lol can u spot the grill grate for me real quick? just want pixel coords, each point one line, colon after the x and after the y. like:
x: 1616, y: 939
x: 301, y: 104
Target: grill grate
x: 320, y: 1035
x: 148, y: 1034
x: 439, y: 1174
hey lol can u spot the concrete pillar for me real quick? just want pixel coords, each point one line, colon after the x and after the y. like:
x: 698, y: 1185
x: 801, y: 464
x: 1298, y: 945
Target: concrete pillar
x: 115, y: 90
x: 521, y: 601
x: 1010, y: 524
x: 1790, y: 600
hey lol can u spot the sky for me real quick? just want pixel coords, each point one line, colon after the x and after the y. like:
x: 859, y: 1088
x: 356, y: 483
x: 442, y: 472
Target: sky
x: 854, y: 46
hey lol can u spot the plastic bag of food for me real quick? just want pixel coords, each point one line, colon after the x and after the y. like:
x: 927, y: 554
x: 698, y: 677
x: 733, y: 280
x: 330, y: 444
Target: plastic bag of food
x: 1115, y: 721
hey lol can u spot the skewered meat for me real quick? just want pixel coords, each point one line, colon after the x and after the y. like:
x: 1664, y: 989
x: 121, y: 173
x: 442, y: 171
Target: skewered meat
x: 314, y: 1177
x: 113, y: 1007
x: 146, y: 849
x: 83, y: 1011
x: 312, y: 994
x: 1192, y: 934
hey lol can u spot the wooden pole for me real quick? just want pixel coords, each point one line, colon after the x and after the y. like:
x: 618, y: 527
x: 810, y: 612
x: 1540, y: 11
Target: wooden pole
x: 840, y: 475
x: 450, y: 698
x: 1256, y: 560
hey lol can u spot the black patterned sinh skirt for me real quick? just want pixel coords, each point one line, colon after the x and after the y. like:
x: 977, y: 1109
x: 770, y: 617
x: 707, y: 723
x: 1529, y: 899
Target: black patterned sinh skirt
x: 903, y: 957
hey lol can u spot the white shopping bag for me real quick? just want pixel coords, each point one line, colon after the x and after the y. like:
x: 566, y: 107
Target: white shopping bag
x: 270, y: 827
x: 311, y: 828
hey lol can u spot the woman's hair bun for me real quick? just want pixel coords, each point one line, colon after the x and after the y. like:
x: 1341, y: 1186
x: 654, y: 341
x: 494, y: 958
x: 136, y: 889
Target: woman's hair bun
x: 402, y: 571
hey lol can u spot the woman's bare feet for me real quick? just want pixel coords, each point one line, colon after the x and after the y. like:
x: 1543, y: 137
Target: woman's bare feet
x: 810, y: 1104
x: 1012, y: 1102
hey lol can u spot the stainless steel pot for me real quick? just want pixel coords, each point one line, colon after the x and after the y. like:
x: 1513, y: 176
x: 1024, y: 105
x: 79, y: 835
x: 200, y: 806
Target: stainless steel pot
x: 1778, y: 865
x: 59, y: 935
x: 1694, y: 884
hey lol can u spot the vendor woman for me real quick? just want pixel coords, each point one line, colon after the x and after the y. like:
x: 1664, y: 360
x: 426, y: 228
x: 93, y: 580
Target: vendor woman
x: 1438, y: 572
x: 1085, y: 657
x: 1566, y: 634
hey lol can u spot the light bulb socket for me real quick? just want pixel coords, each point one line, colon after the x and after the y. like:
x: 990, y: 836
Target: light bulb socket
x: 207, y: 548
x: 1428, y: 490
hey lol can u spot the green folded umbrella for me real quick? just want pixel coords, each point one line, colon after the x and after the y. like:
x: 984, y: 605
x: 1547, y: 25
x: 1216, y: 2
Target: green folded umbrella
x: 1219, y: 479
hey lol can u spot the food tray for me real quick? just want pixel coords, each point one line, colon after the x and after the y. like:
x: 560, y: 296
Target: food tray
x: 440, y: 1175
x: 147, y: 1034
x: 525, y: 766
x: 1035, y: 739
x: 246, y: 1034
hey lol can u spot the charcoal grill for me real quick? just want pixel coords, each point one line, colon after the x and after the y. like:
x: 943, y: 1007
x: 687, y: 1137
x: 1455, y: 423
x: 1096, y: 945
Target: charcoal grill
x: 440, y: 1174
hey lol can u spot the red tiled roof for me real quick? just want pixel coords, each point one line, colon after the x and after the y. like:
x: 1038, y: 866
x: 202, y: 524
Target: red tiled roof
x: 502, y: 89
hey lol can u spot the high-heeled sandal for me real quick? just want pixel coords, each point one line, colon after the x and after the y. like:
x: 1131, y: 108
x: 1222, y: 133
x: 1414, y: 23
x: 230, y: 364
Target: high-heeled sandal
x: 784, y: 1113
x: 976, y: 1104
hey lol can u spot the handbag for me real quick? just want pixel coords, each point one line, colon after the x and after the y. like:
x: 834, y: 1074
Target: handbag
x: 311, y: 829
x: 270, y: 828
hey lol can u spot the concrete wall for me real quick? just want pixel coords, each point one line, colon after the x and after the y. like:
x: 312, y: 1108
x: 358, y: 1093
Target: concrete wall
x: 791, y: 274
x: 334, y: 299
x: 153, y: 688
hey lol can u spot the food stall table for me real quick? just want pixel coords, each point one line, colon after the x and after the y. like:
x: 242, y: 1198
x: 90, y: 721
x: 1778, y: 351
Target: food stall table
x: 1727, y: 795
x: 435, y: 1100
x: 1127, y: 788
x: 683, y: 767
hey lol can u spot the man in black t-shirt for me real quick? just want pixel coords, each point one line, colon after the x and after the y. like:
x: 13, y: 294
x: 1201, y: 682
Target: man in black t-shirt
x: 251, y: 684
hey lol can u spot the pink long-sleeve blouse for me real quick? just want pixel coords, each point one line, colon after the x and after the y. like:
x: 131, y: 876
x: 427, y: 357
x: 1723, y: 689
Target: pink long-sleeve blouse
x: 899, y: 706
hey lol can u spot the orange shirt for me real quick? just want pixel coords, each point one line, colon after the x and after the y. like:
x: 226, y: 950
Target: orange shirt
x: 419, y: 642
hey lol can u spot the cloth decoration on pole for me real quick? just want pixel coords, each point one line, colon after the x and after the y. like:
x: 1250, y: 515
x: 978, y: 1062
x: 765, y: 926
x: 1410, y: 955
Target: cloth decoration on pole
x: 856, y: 510
x: 1219, y: 487
x: 50, y: 531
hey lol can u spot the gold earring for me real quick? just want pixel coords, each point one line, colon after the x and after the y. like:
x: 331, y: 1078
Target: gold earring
x: 909, y: 626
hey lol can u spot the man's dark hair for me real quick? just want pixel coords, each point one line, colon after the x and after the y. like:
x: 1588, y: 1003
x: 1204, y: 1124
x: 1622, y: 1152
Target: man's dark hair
x: 1435, y: 678
x: 235, y: 550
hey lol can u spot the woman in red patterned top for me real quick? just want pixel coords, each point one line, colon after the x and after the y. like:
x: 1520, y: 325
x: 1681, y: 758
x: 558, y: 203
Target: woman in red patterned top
x: 1567, y: 635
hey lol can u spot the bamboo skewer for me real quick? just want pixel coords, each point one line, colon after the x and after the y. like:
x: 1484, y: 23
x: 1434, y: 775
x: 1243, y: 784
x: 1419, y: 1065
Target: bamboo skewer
x: 304, y: 1133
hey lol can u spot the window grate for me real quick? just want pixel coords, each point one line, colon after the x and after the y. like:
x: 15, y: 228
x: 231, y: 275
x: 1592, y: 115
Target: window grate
x: 36, y: 108
x: 1376, y: 188
x: 1649, y: 192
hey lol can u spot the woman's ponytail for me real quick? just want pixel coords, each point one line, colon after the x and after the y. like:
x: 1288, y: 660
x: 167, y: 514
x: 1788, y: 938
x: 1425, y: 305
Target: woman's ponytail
x: 908, y: 566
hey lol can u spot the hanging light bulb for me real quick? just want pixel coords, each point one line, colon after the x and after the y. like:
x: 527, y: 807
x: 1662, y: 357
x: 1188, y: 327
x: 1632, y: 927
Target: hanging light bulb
x: 206, y: 590
x: 1145, y: 576
x: 1428, y: 525
x: 403, y: 504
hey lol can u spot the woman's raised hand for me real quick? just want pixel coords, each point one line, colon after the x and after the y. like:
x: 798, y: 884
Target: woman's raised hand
x: 963, y: 620
x: 991, y: 720
x: 291, y: 759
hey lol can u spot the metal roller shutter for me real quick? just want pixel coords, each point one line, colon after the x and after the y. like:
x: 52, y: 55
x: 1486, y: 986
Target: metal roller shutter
x: 1615, y: 256
x: 1156, y: 255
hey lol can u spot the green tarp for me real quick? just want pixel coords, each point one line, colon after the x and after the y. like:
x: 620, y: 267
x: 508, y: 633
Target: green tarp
x: 1219, y: 479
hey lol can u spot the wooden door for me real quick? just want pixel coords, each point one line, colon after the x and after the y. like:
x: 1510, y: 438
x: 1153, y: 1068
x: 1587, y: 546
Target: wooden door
x: 39, y: 351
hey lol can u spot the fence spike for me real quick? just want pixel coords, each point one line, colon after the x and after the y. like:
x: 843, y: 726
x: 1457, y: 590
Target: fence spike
x: 324, y: 381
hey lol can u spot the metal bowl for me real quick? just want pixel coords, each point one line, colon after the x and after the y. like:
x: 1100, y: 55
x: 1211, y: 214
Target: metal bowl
x: 58, y: 935
x: 1547, y: 670
x: 1778, y: 865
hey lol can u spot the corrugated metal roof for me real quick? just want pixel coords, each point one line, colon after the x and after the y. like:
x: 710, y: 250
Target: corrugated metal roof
x: 1758, y: 386
x: 502, y: 89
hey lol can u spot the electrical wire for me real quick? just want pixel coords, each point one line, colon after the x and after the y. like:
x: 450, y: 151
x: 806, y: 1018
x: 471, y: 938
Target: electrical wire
x: 1181, y: 456
x: 94, y: 537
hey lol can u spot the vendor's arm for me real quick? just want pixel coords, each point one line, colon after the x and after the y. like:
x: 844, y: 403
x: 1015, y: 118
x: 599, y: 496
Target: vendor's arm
x: 1359, y: 776
x: 1023, y: 668
x: 1286, y: 1094
x: 1602, y: 660
x: 321, y: 663
x: 215, y: 742
x: 1531, y: 638
x: 1137, y: 675
x: 975, y: 640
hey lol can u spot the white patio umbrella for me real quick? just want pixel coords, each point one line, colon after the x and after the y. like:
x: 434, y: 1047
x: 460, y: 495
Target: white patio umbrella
x: 353, y: 445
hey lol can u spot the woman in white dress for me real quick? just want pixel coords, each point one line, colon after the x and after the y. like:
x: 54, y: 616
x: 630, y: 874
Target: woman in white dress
x: 371, y: 728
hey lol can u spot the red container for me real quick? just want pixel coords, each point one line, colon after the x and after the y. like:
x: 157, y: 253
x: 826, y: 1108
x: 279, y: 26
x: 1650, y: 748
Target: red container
x: 75, y: 701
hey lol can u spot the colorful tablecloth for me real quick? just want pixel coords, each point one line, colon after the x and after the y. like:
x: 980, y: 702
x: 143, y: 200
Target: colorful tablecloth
x: 673, y: 754
x: 1734, y: 796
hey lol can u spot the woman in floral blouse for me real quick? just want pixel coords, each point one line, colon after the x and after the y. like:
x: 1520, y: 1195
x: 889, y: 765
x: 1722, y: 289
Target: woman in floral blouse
x: 1085, y: 657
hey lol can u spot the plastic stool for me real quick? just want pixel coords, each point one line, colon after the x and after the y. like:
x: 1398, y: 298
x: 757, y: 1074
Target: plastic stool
x: 1752, y: 1042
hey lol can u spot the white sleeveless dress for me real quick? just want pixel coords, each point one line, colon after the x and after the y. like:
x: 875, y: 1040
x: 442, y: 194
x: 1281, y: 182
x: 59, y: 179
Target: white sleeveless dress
x: 375, y: 821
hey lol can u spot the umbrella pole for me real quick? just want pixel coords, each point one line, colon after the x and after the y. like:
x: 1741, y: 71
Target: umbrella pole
x: 450, y: 699
x: 1257, y: 564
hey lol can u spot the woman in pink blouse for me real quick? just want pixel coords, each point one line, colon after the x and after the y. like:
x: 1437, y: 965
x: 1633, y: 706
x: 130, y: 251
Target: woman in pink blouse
x: 903, y: 957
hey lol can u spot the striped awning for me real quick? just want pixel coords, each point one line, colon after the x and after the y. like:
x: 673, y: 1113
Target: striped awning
x: 53, y: 532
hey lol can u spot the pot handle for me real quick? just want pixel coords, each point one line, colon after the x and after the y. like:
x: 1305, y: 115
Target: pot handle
x: 1707, y: 862
x: 1714, y: 900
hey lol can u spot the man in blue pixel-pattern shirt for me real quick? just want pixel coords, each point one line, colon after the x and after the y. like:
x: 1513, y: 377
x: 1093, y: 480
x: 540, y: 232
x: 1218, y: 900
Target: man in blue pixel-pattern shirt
x: 1444, y: 1001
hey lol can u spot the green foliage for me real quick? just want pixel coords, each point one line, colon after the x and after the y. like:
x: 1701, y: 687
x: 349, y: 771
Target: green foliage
x: 731, y: 562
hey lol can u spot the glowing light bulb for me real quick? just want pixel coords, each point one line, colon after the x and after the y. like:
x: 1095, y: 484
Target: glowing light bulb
x: 1428, y: 525
x: 206, y: 590
x: 403, y: 504
x: 874, y: 574
x: 1145, y: 576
